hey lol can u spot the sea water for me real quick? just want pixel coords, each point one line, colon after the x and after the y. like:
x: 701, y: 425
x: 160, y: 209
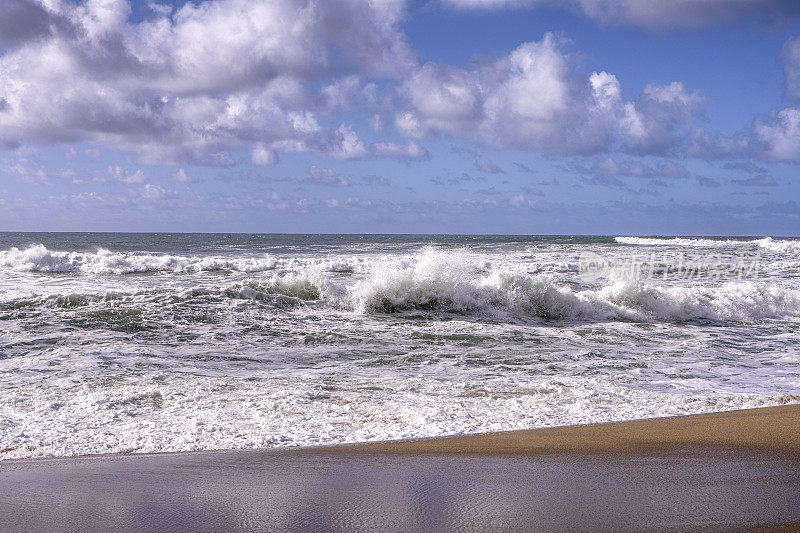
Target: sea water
x: 168, y: 342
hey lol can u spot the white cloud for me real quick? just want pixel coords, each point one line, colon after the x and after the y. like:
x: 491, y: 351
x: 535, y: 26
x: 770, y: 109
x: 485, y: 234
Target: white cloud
x: 193, y: 85
x: 181, y: 176
x: 778, y: 135
x: 161, y: 9
x: 446, y: 98
x: 771, y: 137
x: 533, y: 99
x: 263, y: 156
x: 530, y: 100
x: 149, y: 191
x: 652, y: 124
x: 702, y: 144
x: 187, y: 88
x: 346, y: 144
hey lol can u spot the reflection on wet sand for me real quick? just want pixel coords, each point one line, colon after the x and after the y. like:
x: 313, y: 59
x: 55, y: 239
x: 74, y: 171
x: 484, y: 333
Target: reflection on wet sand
x: 690, y: 488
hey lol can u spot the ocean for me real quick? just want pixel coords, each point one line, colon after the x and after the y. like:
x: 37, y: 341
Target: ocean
x: 173, y: 342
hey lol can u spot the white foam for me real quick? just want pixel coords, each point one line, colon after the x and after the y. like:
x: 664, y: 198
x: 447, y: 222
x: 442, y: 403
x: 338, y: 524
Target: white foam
x: 292, y: 286
x: 434, y: 281
x: 450, y: 282
x: 344, y: 345
x: 193, y: 413
x: 37, y: 258
x: 767, y: 243
x: 781, y: 246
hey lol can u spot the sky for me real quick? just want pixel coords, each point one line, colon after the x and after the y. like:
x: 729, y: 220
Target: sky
x: 623, y: 117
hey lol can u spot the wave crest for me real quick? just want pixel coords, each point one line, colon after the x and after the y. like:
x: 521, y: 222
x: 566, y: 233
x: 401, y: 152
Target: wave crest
x: 767, y: 243
x: 449, y: 283
x: 37, y: 258
x: 290, y: 286
x: 433, y: 282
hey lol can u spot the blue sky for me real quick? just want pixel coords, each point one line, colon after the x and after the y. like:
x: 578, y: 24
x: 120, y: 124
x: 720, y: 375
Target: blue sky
x: 456, y: 116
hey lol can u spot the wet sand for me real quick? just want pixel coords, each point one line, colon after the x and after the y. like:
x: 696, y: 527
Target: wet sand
x: 721, y: 472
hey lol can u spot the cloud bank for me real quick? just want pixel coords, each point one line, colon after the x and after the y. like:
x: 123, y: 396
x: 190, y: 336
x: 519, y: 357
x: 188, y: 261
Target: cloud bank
x: 190, y: 85
x: 199, y: 84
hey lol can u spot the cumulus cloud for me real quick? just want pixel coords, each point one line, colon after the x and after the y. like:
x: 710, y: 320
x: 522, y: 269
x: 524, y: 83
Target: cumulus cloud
x: 772, y: 137
x: 192, y: 85
x: 653, y: 124
x: 530, y: 99
x: 704, y: 145
x: 261, y: 155
x: 181, y: 176
x: 534, y: 99
x: 778, y: 135
x: 149, y: 191
x: 658, y: 15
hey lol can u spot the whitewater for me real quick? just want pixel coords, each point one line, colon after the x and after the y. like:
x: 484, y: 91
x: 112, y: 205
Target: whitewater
x: 168, y: 342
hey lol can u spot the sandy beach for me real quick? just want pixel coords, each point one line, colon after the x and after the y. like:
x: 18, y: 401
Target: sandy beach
x: 769, y: 429
x: 733, y: 471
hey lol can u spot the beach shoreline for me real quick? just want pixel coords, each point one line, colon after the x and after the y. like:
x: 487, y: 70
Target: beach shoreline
x: 736, y: 470
x: 774, y: 429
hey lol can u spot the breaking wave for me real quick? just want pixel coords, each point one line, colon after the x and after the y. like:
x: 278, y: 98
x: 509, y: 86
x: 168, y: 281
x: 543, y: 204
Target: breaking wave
x: 446, y: 282
x: 767, y: 243
x: 431, y: 282
x: 37, y: 258
x: 287, y: 289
